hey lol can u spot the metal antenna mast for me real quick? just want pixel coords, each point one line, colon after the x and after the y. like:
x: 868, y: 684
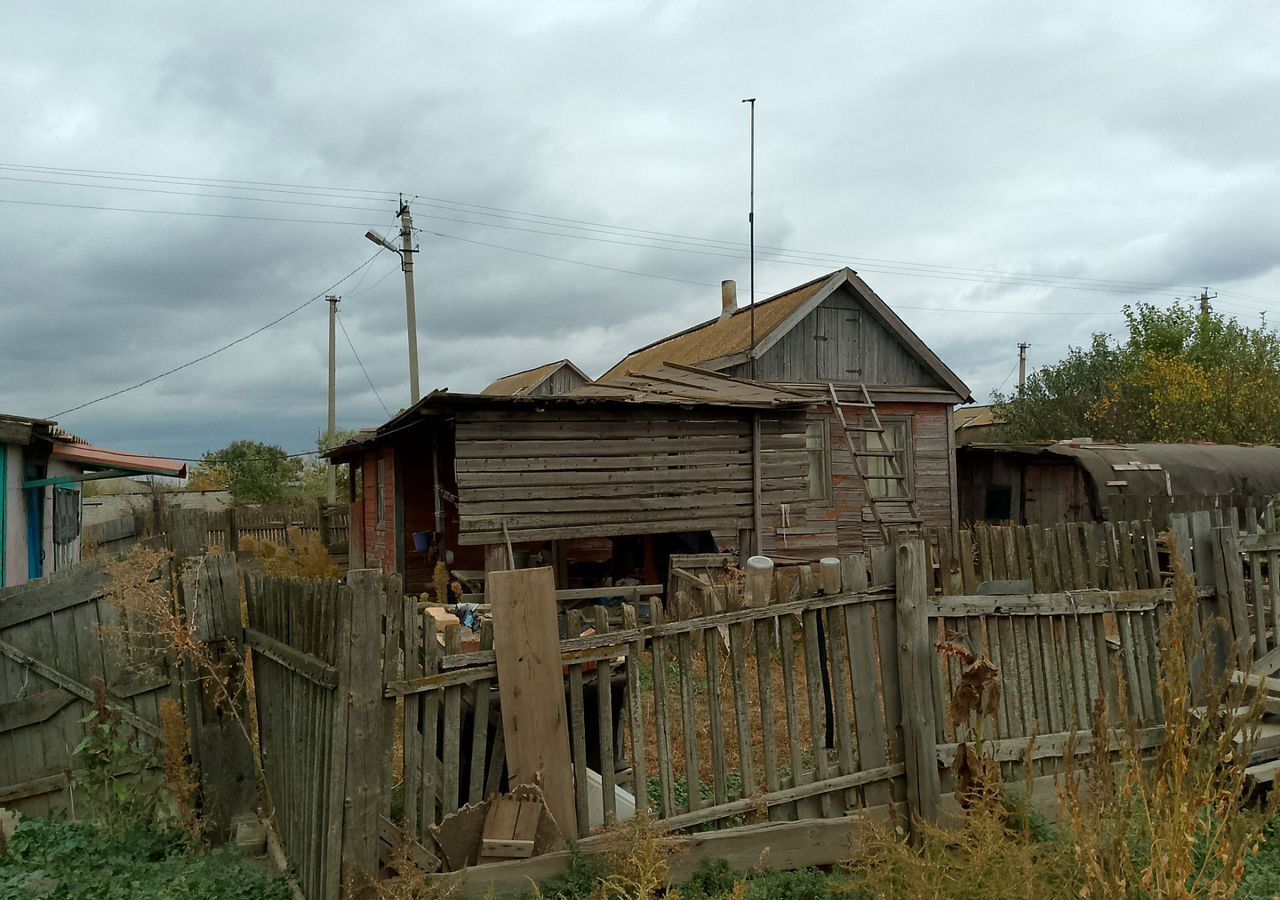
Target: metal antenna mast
x: 751, y: 219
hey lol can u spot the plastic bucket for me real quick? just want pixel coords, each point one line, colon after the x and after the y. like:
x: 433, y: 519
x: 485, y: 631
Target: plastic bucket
x: 422, y: 541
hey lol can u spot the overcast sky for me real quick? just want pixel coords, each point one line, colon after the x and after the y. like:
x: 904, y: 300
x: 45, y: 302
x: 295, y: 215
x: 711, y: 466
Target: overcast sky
x: 1117, y: 151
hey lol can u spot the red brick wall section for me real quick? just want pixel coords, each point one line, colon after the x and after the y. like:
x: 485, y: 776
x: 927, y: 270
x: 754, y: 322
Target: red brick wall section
x: 378, y: 538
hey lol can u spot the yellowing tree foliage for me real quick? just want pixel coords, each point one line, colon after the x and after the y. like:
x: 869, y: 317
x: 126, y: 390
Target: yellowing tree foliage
x: 1181, y: 376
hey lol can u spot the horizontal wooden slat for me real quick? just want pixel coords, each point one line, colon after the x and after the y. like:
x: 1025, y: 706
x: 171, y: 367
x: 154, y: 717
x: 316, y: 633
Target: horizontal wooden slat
x: 1062, y: 603
x: 605, y: 507
x: 306, y: 665
x: 692, y: 488
x: 480, y: 481
x: 580, y: 463
x: 565, y: 532
x: 588, y: 447
x: 1047, y: 746
x: 83, y: 584
x: 32, y: 710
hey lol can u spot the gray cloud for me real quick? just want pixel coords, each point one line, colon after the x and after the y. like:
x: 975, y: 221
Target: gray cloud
x: 1093, y: 141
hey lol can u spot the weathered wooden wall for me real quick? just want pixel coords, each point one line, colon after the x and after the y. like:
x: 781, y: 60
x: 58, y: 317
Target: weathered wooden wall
x: 840, y: 341
x: 842, y: 523
x: 578, y: 473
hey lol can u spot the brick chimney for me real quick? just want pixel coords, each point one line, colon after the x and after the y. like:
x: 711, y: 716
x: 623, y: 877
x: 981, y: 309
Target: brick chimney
x: 728, y: 297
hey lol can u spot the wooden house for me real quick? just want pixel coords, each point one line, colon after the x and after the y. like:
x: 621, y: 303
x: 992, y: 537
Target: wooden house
x: 1087, y: 481
x: 603, y: 481
x: 542, y: 381
x: 879, y: 441
x: 41, y: 509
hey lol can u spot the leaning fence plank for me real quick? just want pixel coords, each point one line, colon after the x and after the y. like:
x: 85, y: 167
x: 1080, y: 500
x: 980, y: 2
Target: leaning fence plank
x: 531, y: 686
x: 1231, y: 577
x: 814, y: 692
x: 838, y: 651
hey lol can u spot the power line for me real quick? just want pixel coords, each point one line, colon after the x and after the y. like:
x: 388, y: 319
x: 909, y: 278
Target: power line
x: 701, y: 244
x: 226, y: 346
x: 362, y: 368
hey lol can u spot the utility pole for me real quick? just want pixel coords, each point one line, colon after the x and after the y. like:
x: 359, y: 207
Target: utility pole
x: 406, y: 263
x: 1022, y: 365
x: 751, y: 220
x: 1204, y: 302
x: 332, y: 492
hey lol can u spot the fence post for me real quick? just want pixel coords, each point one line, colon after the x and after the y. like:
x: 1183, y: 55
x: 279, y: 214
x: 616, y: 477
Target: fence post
x: 358, y: 727
x: 915, y: 667
x: 233, y: 531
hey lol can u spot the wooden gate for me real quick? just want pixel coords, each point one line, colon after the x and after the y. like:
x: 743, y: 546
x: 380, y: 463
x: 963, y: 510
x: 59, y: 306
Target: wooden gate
x: 52, y: 646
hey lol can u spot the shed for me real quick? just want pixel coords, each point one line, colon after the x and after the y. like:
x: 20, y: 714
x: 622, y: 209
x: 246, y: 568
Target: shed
x: 41, y: 509
x: 1046, y: 484
x: 609, y: 474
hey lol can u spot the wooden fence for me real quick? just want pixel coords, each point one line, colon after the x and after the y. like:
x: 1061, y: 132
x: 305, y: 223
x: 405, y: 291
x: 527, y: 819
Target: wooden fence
x: 776, y: 721
x: 52, y: 645
x: 228, y: 528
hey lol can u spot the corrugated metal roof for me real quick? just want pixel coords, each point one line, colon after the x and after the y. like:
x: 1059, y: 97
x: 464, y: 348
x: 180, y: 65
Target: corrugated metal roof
x: 1165, y: 469
x: 132, y: 463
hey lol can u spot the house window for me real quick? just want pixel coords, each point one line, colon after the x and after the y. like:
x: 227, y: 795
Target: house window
x: 815, y: 445
x: 382, y: 491
x: 880, y: 469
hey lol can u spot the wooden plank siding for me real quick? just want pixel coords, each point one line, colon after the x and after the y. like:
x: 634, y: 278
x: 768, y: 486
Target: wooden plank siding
x: 570, y: 473
x: 813, y: 528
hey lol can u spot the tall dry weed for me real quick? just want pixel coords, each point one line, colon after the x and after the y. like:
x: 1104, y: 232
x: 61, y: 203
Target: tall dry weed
x: 302, y: 556
x: 1173, y: 823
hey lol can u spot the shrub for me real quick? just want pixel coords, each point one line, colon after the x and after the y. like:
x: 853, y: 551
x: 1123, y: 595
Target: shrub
x: 303, y: 556
x: 59, y: 860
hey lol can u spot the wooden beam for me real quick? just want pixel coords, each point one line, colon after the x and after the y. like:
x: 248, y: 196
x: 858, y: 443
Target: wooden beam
x: 916, y: 660
x: 531, y: 687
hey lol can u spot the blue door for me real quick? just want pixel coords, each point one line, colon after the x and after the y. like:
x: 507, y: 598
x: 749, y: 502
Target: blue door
x: 35, y: 532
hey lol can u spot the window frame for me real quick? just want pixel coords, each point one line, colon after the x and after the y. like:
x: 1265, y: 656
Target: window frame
x: 819, y: 426
x: 906, y: 460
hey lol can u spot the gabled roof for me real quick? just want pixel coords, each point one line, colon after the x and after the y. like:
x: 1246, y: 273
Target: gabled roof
x: 522, y: 383
x: 724, y: 341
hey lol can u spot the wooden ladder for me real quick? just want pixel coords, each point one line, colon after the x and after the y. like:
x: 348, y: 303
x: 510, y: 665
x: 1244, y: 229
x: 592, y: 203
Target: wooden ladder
x: 855, y: 441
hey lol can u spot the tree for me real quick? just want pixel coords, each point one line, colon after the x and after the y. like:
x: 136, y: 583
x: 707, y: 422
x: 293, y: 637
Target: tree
x: 254, y: 472
x: 315, y: 472
x: 1181, y: 375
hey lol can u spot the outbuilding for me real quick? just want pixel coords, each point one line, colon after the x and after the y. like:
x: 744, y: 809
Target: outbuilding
x: 1085, y: 481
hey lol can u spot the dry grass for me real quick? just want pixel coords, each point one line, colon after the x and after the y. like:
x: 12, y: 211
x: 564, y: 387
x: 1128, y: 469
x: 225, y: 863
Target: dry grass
x: 303, y: 556
x: 1173, y: 823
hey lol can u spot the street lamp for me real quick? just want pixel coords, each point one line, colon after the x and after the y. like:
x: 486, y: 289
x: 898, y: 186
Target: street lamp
x: 406, y: 263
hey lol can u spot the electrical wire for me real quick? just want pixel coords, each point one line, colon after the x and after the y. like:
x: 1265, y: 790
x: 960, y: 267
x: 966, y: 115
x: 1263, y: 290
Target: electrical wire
x: 220, y: 349
x: 689, y: 243
x: 1006, y: 379
x: 362, y: 368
